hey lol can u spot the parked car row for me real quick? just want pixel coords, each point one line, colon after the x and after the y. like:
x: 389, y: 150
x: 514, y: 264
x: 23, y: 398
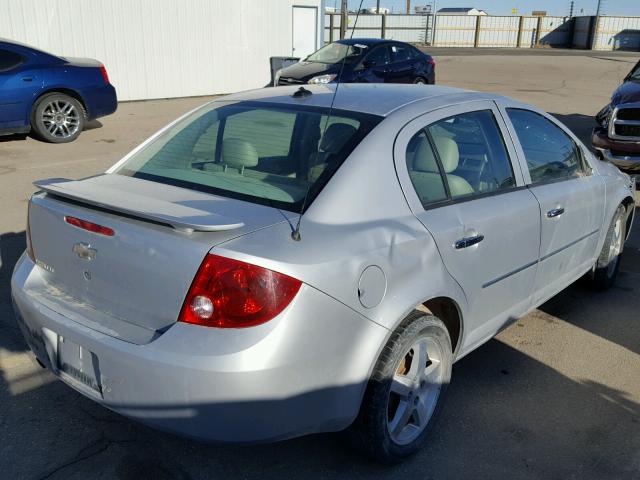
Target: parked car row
x: 305, y: 258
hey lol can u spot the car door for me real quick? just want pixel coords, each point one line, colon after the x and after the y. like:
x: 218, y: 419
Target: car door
x: 374, y: 67
x: 18, y: 83
x: 571, y: 198
x: 461, y: 180
x: 402, y: 68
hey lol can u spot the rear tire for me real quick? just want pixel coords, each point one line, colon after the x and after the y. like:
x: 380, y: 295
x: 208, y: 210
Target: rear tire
x: 58, y: 118
x: 420, y: 81
x: 404, y: 396
x: 604, y: 272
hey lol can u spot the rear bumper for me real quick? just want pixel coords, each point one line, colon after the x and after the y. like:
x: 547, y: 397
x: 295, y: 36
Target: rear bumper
x: 303, y: 372
x: 100, y: 101
x: 624, y: 155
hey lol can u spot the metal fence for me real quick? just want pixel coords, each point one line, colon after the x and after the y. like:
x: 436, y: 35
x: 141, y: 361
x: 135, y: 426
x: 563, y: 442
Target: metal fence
x: 606, y: 33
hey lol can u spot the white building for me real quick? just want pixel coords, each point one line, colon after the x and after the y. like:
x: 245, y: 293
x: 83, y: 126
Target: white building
x: 170, y: 48
x: 461, y: 11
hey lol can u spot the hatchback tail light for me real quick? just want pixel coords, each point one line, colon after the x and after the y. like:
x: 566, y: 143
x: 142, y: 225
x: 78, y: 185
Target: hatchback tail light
x: 104, y: 73
x: 227, y: 293
x: 432, y: 62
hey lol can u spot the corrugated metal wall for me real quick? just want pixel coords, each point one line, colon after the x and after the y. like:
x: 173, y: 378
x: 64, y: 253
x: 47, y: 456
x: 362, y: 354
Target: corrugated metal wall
x: 617, y: 33
x: 162, y: 48
x: 613, y: 33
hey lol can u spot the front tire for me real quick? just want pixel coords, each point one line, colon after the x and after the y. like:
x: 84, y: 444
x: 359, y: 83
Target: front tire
x: 58, y: 118
x: 604, y: 272
x: 405, y: 392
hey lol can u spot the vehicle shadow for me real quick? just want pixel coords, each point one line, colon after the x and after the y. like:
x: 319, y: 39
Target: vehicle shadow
x: 13, y: 137
x: 11, y: 247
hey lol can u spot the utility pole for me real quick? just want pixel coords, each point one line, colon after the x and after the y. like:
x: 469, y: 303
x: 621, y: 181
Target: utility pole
x: 594, y: 32
x: 408, y: 7
x: 344, y: 18
x: 571, y: 9
x: 378, y: 7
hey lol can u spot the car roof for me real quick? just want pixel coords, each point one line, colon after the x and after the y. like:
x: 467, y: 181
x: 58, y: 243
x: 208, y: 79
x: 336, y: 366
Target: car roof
x: 365, y: 41
x: 373, y: 98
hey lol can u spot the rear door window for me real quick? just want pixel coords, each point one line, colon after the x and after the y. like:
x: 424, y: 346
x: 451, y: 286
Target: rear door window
x: 272, y: 155
x: 379, y: 56
x: 550, y: 153
x: 472, y: 153
x: 9, y: 60
x: 400, y: 53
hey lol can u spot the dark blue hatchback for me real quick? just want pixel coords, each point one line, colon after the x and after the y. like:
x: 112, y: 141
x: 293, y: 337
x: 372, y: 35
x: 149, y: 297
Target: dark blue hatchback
x: 365, y: 60
x: 51, y: 96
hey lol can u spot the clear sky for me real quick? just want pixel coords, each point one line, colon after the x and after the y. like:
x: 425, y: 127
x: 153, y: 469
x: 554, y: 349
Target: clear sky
x: 503, y: 7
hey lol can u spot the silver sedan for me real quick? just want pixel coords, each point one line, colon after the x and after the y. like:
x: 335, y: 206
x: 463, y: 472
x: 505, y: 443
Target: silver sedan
x: 289, y: 261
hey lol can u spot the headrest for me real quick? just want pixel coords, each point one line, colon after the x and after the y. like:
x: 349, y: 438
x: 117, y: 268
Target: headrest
x: 423, y: 158
x: 336, y: 136
x: 239, y: 153
x: 448, y: 151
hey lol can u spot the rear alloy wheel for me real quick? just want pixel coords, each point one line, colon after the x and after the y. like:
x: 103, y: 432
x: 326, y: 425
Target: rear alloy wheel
x: 420, y: 81
x: 58, y: 118
x: 605, y: 270
x: 405, y: 391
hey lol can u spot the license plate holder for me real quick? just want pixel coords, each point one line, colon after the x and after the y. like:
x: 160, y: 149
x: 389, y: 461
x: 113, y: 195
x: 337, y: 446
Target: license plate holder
x: 78, y: 364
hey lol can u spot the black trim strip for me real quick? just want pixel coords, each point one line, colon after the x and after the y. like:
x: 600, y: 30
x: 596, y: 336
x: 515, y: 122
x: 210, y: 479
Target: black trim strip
x: 548, y: 255
x: 531, y: 264
x: 507, y: 275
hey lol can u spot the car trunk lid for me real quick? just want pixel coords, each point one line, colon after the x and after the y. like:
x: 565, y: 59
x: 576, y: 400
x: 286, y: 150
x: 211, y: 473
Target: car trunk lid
x: 161, y: 233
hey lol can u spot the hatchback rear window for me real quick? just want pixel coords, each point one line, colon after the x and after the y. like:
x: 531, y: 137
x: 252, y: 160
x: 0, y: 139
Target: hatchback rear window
x: 253, y: 151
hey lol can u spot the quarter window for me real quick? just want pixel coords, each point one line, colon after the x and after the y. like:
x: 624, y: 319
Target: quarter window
x: 9, y: 60
x: 424, y: 170
x: 550, y: 153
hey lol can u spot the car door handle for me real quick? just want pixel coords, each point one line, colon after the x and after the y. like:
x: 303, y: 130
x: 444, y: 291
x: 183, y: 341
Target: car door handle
x: 468, y: 241
x: 555, y: 212
x: 27, y: 79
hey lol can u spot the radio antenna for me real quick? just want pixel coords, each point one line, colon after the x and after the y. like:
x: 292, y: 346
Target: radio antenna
x: 295, y: 234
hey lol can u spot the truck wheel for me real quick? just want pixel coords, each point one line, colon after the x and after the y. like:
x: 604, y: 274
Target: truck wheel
x: 405, y: 392
x: 58, y: 118
x: 605, y: 270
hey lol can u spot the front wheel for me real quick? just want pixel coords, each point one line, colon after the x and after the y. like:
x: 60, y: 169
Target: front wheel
x: 58, y: 118
x: 405, y: 391
x: 605, y: 270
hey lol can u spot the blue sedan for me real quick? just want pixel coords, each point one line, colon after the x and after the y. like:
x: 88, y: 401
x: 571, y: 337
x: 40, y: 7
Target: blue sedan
x: 51, y: 96
x: 362, y: 60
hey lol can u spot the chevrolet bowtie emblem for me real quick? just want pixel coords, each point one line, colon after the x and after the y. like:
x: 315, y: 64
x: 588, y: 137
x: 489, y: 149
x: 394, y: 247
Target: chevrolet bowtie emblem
x: 84, y: 251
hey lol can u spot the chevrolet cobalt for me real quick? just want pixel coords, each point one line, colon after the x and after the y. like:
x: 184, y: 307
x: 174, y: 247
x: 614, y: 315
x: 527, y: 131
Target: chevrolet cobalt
x: 288, y: 261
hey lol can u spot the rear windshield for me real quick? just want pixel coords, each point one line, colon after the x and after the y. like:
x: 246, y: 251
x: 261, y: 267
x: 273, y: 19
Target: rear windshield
x: 257, y: 152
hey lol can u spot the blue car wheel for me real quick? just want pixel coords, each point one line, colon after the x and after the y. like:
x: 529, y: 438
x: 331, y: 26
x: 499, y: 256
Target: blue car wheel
x: 58, y: 118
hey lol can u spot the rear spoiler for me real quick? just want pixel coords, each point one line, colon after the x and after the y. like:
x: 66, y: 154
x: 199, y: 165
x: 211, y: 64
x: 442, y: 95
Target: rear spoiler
x: 179, y: 216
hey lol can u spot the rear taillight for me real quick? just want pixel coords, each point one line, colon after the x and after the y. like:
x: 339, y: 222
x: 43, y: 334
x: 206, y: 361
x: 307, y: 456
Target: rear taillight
x: 89, y: 226
x: 227, y: 293
x: 432, y: 62
x: 30, y: 253
x: 104, y: 73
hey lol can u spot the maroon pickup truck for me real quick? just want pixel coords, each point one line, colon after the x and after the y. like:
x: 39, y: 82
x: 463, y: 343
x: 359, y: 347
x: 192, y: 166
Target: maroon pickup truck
x: 617, y: 136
